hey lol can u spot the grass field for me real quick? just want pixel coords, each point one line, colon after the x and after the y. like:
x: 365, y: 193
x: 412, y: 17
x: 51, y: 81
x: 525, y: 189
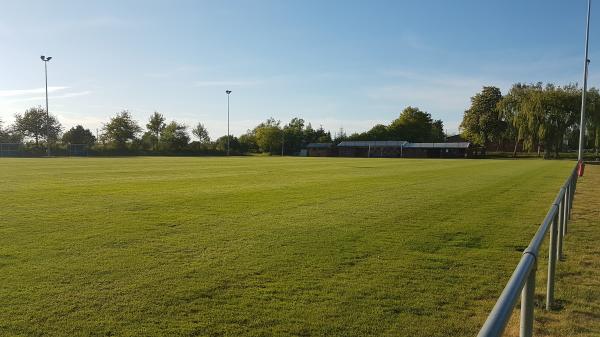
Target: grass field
x: 262, y: 246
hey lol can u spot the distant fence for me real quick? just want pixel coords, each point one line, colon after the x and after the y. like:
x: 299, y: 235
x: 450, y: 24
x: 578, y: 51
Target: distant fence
x: 10, y: 149
x: 522, y: 280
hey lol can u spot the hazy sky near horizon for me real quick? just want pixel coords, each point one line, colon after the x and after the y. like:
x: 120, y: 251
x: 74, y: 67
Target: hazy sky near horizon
x: 347, y: 64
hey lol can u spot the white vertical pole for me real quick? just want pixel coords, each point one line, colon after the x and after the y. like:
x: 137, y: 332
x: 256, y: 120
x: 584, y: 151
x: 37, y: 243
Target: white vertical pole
x: 586, y: 63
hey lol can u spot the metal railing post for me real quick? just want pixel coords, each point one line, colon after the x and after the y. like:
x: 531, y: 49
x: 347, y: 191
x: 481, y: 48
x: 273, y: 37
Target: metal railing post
x: 552, y: 262
x: 566, y: 211
x: 561, y: 228
x: 523, y: 278
x: 570, y: 197
x: 527, y: 302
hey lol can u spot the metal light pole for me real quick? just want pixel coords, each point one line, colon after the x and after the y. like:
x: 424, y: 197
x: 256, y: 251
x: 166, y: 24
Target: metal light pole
x: 228, y: 92
x: 586, y: 63
x: 46, y: 59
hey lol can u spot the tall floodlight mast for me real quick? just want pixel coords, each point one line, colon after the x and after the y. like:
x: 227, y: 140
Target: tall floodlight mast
x: 228, y: 92
x: 46, y: 60
x: 586, y: 64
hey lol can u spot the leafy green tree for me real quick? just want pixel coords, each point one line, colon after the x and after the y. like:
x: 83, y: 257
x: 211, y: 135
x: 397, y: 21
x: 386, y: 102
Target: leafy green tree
x: 560, y: 108
x: 310, y: 134
x: 3, y: 132
x: 481, y: 122
x: 269, y: 136
x: 413, y: 125
x: 340, y: 136
x: 248, y: 142
x: 319, y: 135
x: 7, y: 135
x: 174, y: 137
x: 437, y: 131
x: 511, y: 109
x: 378, y: 132
x: 201, y: 133
x: 548, y: 112
x: 293, y: 134
x: 121, y: 129
x: 149, y: 141
x: 79, y: 135
x: 35, y: 124
x: 155, y: 126
x: 540, y: 116
x: 322, y: 135
x: 234, y: 144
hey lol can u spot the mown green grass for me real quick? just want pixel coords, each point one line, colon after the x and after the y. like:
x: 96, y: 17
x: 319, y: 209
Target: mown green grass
x: 262, y: 246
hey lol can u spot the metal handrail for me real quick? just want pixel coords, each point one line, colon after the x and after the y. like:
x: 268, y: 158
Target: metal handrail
x: 523, y: 278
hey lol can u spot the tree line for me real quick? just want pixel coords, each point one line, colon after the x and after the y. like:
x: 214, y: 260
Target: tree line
x: 532, y: 117
x: 413, y: 125
x: 529, y: 117
x: 122, y: 134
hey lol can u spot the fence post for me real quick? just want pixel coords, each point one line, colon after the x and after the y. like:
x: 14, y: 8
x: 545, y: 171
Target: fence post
x: 552, y: 261
x: 561, y: 228
x: 527, y: 302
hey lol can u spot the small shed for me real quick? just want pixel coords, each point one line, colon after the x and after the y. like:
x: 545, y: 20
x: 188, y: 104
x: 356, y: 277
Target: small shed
x: 320, y: 149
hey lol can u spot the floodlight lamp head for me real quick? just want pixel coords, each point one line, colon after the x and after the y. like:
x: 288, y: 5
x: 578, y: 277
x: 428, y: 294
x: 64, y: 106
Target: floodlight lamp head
x: 49, y: 58
x: 228, y: 92
x: 43, y: 58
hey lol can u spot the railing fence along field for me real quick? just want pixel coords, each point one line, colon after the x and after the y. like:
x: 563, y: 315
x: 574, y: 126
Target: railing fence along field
x: 523, y: 278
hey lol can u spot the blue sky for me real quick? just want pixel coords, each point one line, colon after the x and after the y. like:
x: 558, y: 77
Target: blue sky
x: 347, y: 64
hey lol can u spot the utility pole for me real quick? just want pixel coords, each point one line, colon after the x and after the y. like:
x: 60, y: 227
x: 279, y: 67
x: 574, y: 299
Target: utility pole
x: 586, y: 64
x: 46, y: 60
